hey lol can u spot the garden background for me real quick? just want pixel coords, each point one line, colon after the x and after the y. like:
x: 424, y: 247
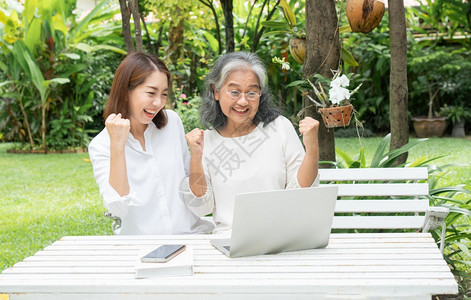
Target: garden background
x: 58, y: 62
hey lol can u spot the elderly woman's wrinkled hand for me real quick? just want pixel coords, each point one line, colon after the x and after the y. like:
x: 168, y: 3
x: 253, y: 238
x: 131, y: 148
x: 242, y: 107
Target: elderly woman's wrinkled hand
x: 118, y: 129
x: 309, y: 128
x: 195, y: 139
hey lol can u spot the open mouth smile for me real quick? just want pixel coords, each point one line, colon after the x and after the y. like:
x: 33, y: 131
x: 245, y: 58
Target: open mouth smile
x: 150, y: 112
x: 240, y: 110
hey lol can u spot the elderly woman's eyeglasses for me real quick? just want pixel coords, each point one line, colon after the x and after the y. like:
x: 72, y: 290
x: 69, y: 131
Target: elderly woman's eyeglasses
x: 251, y: 96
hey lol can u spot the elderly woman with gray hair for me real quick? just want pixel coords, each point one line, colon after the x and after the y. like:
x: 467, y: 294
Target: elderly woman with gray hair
x: 249, y: 146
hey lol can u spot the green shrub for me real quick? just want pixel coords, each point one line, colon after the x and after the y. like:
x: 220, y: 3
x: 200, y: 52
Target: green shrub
x: 439, y: 76
x: 188, y: 110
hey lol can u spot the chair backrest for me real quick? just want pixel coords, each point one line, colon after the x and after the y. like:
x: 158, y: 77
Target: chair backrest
x: 378, y: 198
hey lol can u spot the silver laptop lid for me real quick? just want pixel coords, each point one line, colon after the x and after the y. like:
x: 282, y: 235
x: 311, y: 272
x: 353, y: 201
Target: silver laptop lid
x: 282, y: 220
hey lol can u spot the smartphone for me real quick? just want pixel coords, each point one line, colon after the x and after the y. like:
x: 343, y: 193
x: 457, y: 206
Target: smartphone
x: 163, y: 253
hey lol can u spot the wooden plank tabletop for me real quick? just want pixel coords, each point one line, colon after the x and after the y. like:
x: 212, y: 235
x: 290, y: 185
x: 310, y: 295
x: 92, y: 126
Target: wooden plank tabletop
x: 353, y: 266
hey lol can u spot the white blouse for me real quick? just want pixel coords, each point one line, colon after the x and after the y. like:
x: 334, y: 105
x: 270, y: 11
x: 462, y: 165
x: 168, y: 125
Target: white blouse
x: 268, y: 158
x: 153, y: 205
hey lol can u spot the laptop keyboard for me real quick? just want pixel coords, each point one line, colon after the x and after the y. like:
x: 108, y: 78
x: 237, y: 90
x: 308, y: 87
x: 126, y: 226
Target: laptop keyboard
x: 228, y: 248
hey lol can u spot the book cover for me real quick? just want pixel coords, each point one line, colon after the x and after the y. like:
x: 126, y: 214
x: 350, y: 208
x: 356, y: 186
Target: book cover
x: 180, y: 265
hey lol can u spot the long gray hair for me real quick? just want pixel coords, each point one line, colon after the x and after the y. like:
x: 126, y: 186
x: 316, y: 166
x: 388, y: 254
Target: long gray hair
x: 210, y: 110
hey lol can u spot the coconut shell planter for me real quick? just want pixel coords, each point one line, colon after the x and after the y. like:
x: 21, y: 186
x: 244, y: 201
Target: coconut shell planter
x: 297, y: 48
x: 364, y: 15
x: 336, y: 116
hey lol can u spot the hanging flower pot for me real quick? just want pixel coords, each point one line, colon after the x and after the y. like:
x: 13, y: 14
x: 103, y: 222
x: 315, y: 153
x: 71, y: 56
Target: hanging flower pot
x: 364, y: 15
x: 336, y: 116
x: 297, y: 48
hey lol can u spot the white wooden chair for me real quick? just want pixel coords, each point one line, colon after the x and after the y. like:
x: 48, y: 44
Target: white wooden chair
x: 384, y: 198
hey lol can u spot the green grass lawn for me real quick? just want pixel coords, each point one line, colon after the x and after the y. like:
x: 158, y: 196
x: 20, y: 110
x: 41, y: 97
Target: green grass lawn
x: 45, y: 197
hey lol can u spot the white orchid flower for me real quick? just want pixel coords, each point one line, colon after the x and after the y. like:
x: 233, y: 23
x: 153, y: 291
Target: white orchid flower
x: 337, y: 94
x: 285, y: 66
x: 341, y: 81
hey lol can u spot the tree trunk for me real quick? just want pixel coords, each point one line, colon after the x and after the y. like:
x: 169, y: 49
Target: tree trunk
x: 322, y: 56
x: 159, y: 40
x: 136, y: 16
x: 193, y: 85
x: 126, y: 17
x: 209, y: 4
x: 229, y: 24
x: 175, y: 39
x: 398, y: 91
x: 175, y: 51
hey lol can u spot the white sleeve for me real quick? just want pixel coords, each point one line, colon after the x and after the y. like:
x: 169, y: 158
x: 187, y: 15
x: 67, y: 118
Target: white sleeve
x: 294, y: 155
x: 200, y: 206
x: 294, y: 184
x: 117, y: 205
x: 185, y: 151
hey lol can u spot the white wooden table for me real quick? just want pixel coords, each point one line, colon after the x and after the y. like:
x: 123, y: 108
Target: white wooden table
x: 353, y: 266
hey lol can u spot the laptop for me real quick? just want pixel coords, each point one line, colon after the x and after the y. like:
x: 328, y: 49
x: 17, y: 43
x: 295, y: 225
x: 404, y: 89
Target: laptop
x: 281, y: 220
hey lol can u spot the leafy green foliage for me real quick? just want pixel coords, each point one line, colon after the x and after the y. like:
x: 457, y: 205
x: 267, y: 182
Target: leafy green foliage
x: 382, y: 158
x: 48, y: 55
x: 455, y: 113
x: 287, y: 24
x: 442, y: 19
x: 372, y: 53
x: 192, y: 41
x: 458, y: 234
x: 64, y: 42
x: 439, y: 76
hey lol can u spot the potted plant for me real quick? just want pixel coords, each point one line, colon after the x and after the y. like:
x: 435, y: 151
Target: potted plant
x: 334, y: 103
x: 427, y: 85
x: 438, y: 76
x: 457, y: 114
x: 333, y: 95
